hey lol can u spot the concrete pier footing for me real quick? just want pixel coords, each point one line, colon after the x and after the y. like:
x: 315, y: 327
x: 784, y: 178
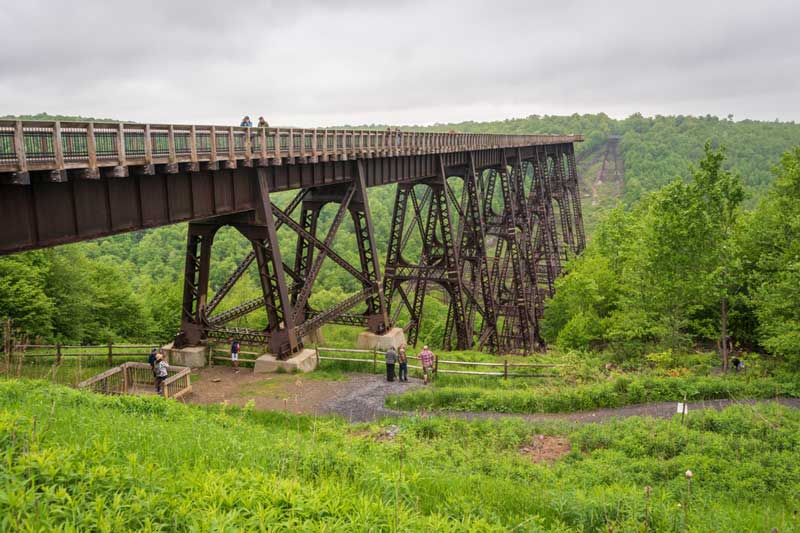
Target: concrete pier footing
x: 372, y: 341
x: 303, y: 361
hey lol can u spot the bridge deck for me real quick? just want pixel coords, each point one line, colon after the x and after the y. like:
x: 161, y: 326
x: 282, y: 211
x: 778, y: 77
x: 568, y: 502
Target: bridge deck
x: 64, y: 182
x: 34, y: 146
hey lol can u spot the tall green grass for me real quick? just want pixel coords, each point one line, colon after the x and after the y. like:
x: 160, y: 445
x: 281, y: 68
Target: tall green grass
x: 615, y: 393
x: 76, y: 461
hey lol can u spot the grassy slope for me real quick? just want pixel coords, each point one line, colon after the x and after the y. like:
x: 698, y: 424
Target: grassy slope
x: 80, y: 461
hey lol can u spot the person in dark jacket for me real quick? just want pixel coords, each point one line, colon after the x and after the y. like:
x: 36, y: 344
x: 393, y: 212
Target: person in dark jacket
x: 391, y: 359
x: 152, y: 360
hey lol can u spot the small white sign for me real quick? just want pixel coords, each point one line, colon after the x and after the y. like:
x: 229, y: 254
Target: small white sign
x: 682, y: 408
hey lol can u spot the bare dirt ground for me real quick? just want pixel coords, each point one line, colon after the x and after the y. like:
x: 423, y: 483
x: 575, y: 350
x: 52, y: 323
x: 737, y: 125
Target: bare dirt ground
x: 357, y: 397
x: 545, y: 448
x: 360, y: 397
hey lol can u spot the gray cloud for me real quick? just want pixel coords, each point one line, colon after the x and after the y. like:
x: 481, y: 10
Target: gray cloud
x: 408, y: 62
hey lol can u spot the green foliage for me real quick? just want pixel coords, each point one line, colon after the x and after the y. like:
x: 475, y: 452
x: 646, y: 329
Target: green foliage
x: 615, y: 393
x: 771, y: 248
x: 656, y: 273
x: 76, y: 461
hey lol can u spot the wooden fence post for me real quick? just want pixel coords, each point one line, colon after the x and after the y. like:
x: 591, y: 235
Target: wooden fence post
x: 374, y: 361
x: 110, y: 354
x: 7, y: 339
x: 316, y: 351
x: 505, y: 369
x: 211, y: 354
x: 58, y: 353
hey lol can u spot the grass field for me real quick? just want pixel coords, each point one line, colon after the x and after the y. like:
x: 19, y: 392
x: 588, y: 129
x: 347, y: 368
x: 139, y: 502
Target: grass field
x: 77, y: 461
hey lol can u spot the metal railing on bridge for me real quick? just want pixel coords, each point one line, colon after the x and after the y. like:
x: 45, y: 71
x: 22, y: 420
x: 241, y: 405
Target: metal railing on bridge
x: 59, y: 145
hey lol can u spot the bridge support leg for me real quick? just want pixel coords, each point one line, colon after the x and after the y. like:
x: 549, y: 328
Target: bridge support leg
x: 377, y: 319
x: 473, y: 249
x: 195, y: 288
x: 547, y: 246
x: 438, y: 263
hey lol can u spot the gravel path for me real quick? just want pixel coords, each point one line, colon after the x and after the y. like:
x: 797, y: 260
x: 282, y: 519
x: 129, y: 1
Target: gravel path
x: 364, y: 398
x: 363, y: 401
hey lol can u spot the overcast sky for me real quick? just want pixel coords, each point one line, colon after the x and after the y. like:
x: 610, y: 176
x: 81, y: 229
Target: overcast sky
x: 312, y: 63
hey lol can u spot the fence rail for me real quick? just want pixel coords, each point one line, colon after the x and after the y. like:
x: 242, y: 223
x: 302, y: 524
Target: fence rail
x: 60, y: 145
x: 376, y: 355
x: 61, y: 351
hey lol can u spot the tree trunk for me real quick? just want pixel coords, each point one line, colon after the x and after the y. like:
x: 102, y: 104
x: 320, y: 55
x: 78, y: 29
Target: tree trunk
x: 724, y: 331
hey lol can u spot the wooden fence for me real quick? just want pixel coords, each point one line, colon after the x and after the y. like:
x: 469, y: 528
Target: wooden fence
x: 61, y: 351
x: 133, y: 377
x: 440, y: 365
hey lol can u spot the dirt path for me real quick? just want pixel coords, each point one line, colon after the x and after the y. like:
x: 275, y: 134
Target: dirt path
x: 356, y: 397
x: 360, y: 397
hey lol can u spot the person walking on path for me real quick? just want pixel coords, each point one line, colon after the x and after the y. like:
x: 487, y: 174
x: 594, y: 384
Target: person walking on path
x: 427, y: 359
x: 391, y: 359
x: 403, y: 360
x: 152, y: 360
x: 162, y: 368
x: 235, y: 355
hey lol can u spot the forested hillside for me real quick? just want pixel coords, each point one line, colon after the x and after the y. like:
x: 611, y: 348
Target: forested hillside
x: 129, y: 287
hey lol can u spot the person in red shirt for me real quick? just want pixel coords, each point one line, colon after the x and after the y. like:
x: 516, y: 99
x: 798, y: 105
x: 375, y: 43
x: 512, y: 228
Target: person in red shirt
x: 428, y: 360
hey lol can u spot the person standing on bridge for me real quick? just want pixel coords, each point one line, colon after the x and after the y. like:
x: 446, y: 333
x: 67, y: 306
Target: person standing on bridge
x: 246, y: 123
x: 162, y: 370
x: 403, y: 360
x: 262, y: 123
x: 428, y: 360
x: 391, y: 359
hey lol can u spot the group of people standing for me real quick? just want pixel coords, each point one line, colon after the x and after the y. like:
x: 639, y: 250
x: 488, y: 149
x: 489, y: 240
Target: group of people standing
x: 398, y: 357
x: 159, y: 367
x: 247, y: 123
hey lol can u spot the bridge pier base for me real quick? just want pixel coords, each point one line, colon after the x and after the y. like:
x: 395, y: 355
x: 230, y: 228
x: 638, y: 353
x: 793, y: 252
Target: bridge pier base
x: 191, y: 356
x: 374, y: 341
x: 303, y: 361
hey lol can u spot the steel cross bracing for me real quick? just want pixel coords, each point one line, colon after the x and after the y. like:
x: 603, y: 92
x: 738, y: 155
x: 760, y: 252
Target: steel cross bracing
x: 525, y: 210
x: 502, y: 295
x: 480, y: 223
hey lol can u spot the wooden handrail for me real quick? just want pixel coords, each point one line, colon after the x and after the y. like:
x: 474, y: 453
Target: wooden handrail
x: 103, y: 144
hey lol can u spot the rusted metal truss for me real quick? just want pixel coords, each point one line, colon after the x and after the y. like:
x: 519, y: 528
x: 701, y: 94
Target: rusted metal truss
x: 516, y: 224
x: 486, y: 241
x: 290, y: 317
